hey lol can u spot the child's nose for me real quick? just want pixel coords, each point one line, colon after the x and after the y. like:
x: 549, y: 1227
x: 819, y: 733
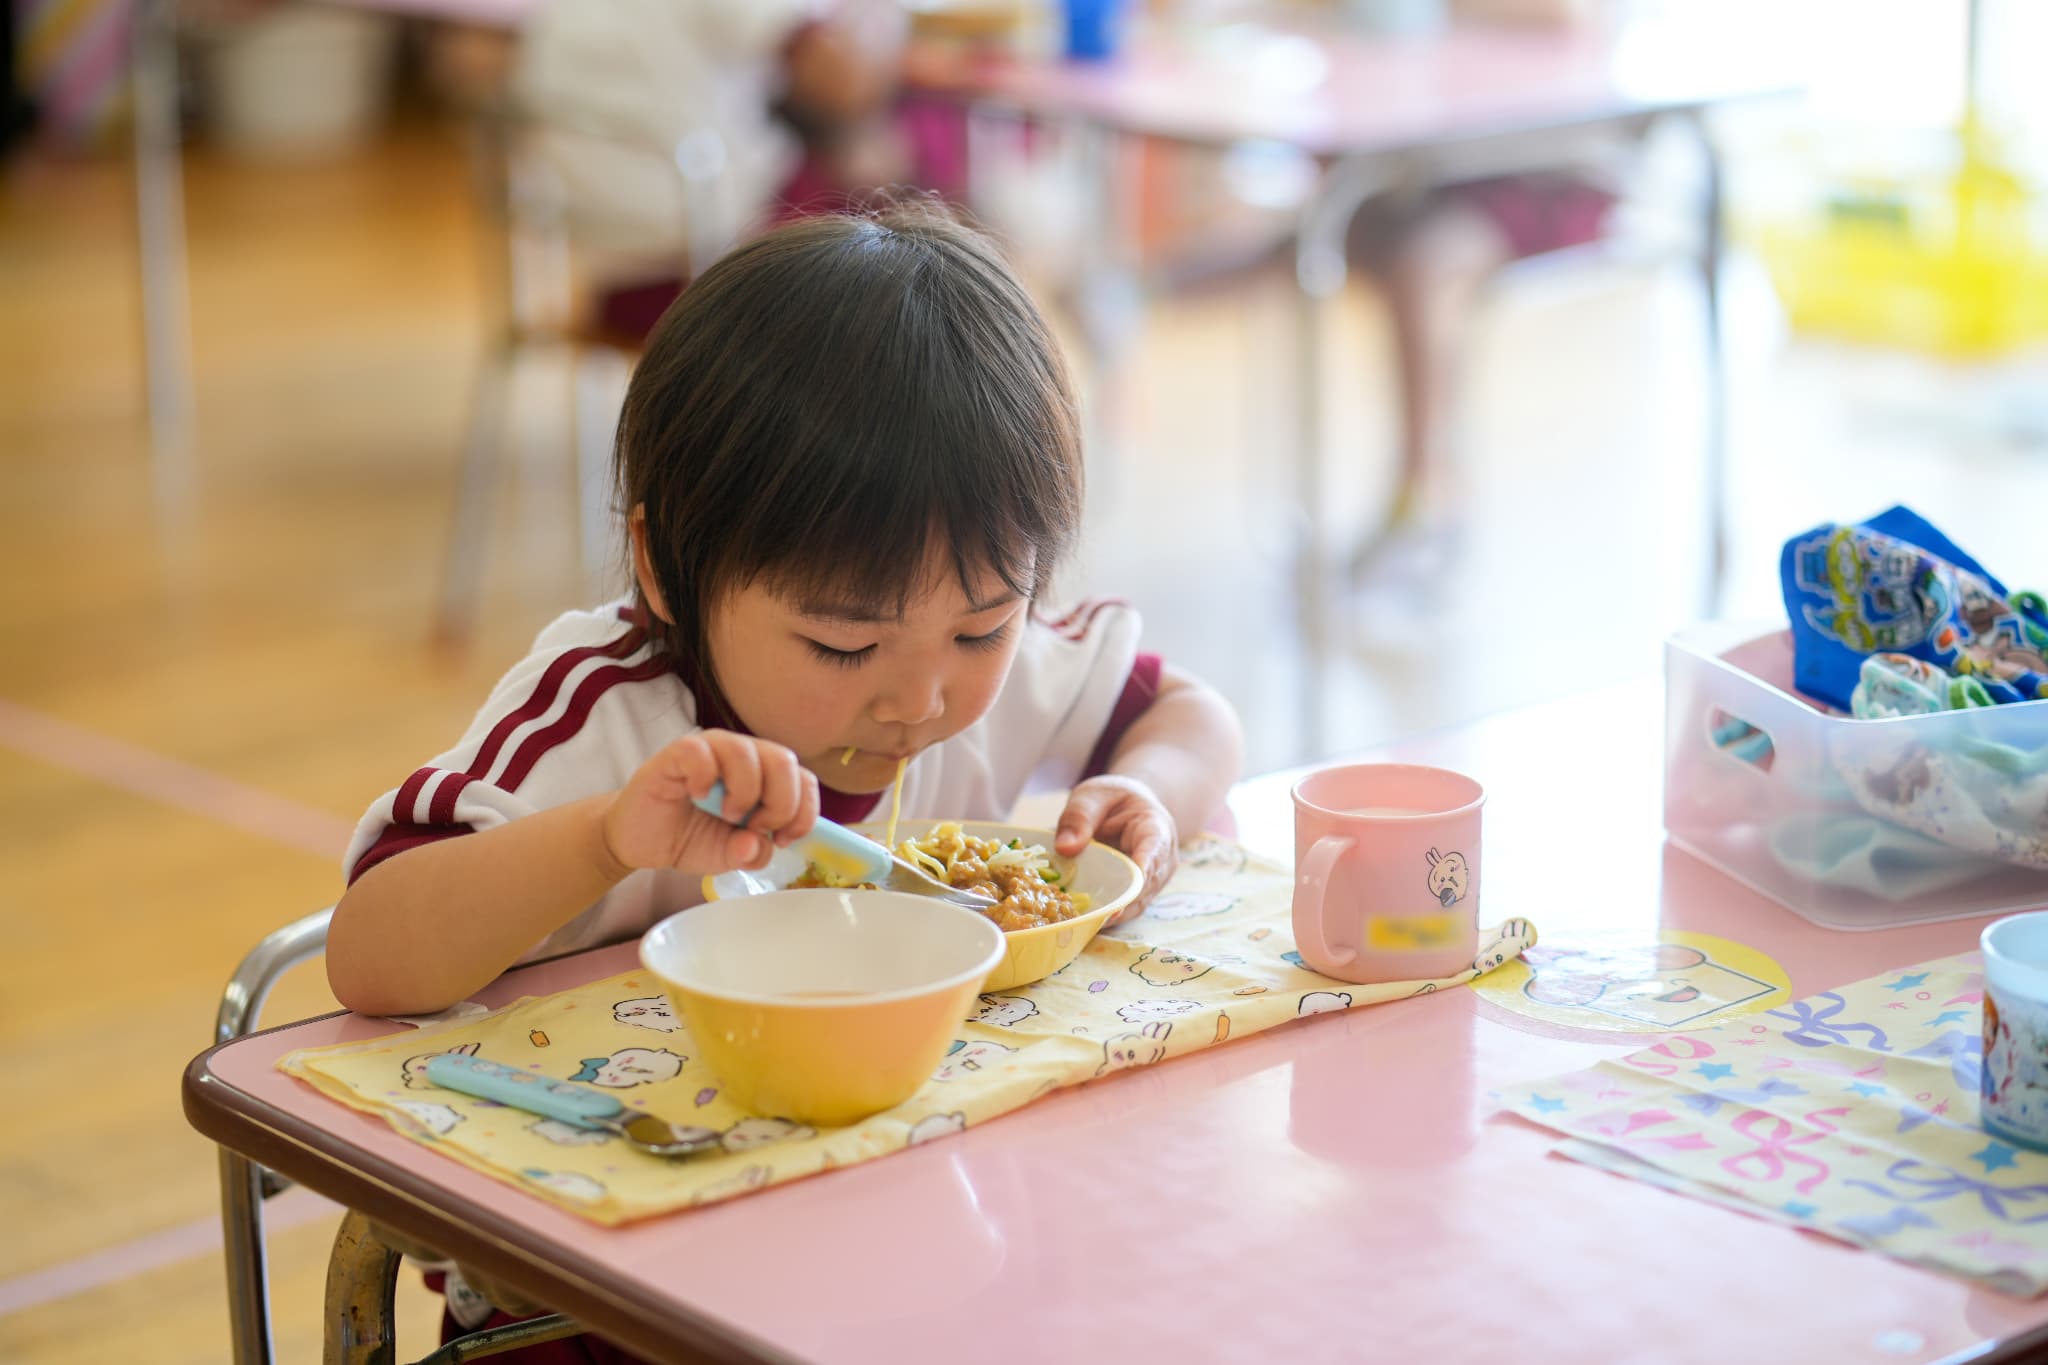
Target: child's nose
x: 913, y: 701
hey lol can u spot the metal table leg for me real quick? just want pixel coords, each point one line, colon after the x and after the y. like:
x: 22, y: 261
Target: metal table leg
x: 241, y: 1188
x: 243, y: 1184
x: 160, y: 224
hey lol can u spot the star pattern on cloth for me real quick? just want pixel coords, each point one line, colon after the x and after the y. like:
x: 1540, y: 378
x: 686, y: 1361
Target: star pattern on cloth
x: 1996, y: 1156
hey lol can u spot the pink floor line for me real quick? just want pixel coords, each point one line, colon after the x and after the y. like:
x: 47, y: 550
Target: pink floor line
x: 171, y: 781
x: 144, y: 1254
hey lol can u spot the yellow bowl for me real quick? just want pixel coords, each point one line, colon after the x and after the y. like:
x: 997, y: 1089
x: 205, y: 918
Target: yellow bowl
x: 1105, y: 876
x: 823, y: 1006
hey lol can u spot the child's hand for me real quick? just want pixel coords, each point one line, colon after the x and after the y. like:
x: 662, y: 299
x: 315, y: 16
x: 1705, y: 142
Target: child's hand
x: 652, y: 821
x: 1123, y: 813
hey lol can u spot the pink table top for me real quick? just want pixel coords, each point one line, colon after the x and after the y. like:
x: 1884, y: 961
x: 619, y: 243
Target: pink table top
x: 1336, y: 93
x: 1331, y: 1189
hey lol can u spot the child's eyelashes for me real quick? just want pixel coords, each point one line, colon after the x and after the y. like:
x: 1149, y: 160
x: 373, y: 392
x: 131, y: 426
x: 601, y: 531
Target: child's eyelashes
x: 853, y: 658
x: 992, y: 640
x: 845, y: 658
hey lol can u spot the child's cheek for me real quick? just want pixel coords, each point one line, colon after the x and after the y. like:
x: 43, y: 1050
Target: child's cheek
x: 978, y: 691
x: 813, y: 718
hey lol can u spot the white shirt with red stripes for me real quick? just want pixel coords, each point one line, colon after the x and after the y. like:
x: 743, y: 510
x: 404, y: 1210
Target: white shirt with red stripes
x: 592, y: 702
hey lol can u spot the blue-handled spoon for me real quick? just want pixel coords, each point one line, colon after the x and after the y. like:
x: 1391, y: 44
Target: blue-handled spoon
x: 580, y: 1106
x: 855, y: 858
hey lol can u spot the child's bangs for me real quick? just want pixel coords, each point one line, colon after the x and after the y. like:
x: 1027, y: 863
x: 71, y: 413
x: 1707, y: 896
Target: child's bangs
x: 844, y: 410
x: 862, y: 546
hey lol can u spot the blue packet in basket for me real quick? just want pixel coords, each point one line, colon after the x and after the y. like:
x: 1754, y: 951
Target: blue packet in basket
x: 1896, y: 585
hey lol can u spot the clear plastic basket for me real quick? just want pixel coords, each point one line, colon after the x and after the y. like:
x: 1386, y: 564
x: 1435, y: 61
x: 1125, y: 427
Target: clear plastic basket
x: 1817, y: 810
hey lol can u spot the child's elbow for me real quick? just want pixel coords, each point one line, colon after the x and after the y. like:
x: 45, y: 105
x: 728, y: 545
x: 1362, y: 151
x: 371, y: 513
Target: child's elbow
x: 1224, y: 725
x: 364, y: 990
x: 354, y: 985
x: 1211, y: 717
x: 366, y: 981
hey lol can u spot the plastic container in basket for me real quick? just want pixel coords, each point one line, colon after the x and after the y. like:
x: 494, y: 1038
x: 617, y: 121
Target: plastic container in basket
x: 1853, y: 824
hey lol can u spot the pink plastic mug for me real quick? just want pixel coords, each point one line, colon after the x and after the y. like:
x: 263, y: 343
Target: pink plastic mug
x: 1386, y: 871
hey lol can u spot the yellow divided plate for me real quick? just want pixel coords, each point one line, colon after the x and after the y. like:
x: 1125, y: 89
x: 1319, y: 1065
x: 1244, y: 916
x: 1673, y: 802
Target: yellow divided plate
x: 1105, y: 876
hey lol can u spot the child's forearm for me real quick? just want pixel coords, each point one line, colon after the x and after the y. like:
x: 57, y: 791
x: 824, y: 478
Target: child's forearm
x: 432, y: 925
x: 1187, y: 747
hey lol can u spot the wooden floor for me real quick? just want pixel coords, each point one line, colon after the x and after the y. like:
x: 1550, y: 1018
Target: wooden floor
x: 196, y: 703
x: 198, y: 696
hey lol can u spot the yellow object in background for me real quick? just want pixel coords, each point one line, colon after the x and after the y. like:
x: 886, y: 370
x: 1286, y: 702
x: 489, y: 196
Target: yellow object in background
x: 1947, y: 265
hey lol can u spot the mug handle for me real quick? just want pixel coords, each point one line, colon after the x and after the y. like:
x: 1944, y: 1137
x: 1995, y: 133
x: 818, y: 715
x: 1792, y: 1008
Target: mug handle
x: 1309, y: 931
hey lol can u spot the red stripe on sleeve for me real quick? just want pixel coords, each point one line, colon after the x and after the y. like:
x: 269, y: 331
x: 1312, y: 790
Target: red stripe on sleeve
x: 536, y: 745
x: 1139, y: 689
x: 396, y: 839
x: 442, y: 812
x: 543, y: 697
x: 408, y: 796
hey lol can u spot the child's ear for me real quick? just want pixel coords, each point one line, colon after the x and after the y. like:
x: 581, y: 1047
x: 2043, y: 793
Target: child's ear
x: 643, y: 567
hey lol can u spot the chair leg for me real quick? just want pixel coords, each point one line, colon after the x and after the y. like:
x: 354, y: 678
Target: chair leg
x: 241, y: 1201
x: 471, y: 523
x: 362, y: 1280
x: 497, y: 1340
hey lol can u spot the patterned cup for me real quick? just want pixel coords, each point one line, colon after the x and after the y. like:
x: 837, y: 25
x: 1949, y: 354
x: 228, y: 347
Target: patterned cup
x: 2013, y: 1103
x: 1386, y: 871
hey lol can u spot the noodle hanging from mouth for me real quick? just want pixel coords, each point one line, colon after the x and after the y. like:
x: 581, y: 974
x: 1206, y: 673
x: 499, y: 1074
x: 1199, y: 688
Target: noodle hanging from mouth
x: 896, y: 803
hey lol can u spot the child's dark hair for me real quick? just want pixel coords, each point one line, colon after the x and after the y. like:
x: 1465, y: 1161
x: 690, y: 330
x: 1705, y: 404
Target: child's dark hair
x: 830, y: 399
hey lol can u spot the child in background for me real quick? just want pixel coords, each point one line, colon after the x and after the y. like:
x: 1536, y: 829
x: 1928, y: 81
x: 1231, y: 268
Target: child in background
x: 671, y: 130
x: 1433, y: 253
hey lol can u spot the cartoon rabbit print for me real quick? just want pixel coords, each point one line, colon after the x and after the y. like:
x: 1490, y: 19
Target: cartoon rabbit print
x: 1449, y: 877
x: 1142, y: 1048
x: 630, y: 1066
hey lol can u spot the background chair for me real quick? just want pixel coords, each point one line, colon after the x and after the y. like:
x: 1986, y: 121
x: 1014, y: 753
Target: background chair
x: 542, y: 297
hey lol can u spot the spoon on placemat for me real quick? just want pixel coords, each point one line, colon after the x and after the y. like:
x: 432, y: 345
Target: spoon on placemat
x: 580, y: 1106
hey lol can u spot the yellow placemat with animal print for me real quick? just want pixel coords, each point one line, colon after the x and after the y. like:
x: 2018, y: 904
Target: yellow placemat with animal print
x: 1212, y: 960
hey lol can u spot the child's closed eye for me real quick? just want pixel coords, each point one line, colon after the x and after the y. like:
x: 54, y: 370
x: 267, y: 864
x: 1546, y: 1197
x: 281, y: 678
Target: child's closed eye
x: 845, y: 658
x: 992, y: 640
